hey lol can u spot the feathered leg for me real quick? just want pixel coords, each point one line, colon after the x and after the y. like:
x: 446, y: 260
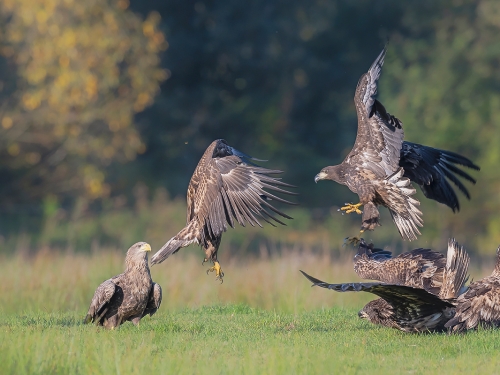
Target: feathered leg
x: 370, y: 218
x: 211, y: 253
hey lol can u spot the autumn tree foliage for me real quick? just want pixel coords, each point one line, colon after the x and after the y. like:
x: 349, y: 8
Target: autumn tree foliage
x: 74, y: 74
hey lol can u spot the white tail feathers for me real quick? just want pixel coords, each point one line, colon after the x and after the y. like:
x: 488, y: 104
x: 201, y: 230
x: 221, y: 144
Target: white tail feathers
x: 402, y: 206
x: 455, y: 272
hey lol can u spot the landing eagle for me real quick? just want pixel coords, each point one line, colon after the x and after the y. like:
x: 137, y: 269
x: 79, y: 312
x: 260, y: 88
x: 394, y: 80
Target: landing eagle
x: 129, y: 296
x: 381, y: 165
x: 226, y: 186
x: 411, y: 302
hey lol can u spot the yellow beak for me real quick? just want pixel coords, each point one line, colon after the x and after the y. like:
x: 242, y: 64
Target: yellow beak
x: 146, y: 247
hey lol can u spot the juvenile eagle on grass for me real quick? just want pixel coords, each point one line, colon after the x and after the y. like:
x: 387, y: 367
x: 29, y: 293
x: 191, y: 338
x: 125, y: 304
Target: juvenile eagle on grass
x: 418, y: 268
x: 480, y: 304
x: 129, y: 296
x: 380, y: 166
x: 225, y: 187
x: 407, y: 303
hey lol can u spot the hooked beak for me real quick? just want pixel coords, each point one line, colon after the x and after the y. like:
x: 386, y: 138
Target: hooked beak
x: 363, y: 315
x: 320, y: 176
x: 146, y: 247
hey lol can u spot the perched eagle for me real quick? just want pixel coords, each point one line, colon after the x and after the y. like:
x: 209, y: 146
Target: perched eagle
x: 418, y: 268
x: 129, y: 296
x: 380, y: 165
x: 480, y: 304
x: 225, y: 187
x: 405, y: 303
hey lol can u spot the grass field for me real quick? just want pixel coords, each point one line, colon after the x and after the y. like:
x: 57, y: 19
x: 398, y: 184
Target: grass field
x: 264, y: 319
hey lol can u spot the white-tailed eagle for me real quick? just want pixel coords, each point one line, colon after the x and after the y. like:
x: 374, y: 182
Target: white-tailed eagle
x: 381, y: 165
x: 130, y: 295
x: 225, y: 187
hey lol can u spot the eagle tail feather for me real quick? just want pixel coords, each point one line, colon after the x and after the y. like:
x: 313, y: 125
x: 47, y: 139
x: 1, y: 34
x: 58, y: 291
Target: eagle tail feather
x: 184, y: 238
x: 455, y: 272
x: 407, y: 217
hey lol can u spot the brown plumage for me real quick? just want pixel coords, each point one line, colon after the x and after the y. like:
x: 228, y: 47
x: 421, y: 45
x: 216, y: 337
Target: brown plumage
x: 225, y: 187
x: 407, y: 302
x: 128, y: 296
x: 380, y: 165
x: 480, y: 304
x: 418, y: 268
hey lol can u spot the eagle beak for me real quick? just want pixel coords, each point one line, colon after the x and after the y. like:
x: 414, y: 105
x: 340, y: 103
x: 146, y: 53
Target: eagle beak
x: 146, y: 247
x: 363, y: 315
x: 320, y: 176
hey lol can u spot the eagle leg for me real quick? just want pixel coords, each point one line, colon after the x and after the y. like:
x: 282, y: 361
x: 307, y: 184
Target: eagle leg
x: 218, y: 271
x: 349, y: 207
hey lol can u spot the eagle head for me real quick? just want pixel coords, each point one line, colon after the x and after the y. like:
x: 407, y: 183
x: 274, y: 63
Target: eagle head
x: 137, y: 253
x: 377, y: 311
x: 335, y: 173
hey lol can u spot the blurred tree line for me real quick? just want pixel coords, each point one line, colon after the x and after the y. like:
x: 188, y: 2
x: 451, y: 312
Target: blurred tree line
x: 102, y: 98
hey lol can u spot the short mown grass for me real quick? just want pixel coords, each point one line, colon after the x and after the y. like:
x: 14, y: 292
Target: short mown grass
x: 264, y: 319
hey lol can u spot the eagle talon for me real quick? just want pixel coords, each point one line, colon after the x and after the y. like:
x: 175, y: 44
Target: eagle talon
x: 218, y: 271
x: 349, y: 208
x: 351, y: 241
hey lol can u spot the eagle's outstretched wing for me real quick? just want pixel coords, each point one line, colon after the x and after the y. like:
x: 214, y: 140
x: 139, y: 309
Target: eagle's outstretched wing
x: 409, y: 309
x: 100, y: 301
x: 395, y: 294
x: 431, y: 168
x: 226, y: 187
x: 380, y: 135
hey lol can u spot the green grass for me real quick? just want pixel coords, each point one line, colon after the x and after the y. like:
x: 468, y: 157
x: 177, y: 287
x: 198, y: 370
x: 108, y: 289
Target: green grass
x: 264, y: 319
x: 236, y: 339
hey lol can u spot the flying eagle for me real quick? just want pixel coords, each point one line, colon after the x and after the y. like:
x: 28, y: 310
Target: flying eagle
x: 404, y: 304
x: 480, y: 304
x: 381, y: 165
x: 129, y: 296
x: 225, y: 187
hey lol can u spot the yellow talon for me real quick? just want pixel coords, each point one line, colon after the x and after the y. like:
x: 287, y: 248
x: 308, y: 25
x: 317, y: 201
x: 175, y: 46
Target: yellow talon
x: 349, y: 207
x: 218, y: 271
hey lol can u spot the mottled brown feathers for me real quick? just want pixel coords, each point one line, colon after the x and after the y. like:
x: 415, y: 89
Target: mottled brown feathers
x: 381, y: 166
x: 128, y: 296
x: 402, y: 307
x: 480, y: 304
x: 418, y: 289
x: 226, y: 187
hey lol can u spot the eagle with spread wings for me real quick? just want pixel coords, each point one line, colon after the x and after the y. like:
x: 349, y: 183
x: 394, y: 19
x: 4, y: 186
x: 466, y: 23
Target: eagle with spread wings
x: 480, y: 304
x: 418, y: 268
x: 226, y: 186
x: 130, y: 295
x: 381, y: 166
x: 407, y: 303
